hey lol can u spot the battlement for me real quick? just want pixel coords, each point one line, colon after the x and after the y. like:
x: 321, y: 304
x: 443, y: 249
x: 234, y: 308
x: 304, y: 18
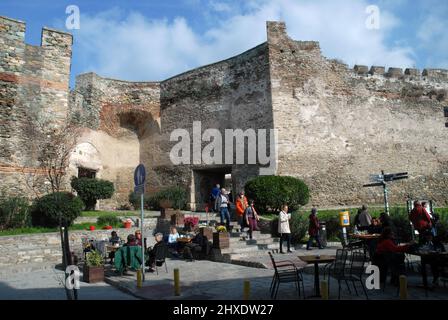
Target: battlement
x: 440, y: 75
x: 14, y: 31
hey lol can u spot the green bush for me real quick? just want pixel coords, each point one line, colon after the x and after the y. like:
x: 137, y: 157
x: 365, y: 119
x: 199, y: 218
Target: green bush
x: 109, y: 220
x: 14, y: 213
x: 176, y: 197
x: 271, y: 192
x: 91, y: 189
x: 47, y: 210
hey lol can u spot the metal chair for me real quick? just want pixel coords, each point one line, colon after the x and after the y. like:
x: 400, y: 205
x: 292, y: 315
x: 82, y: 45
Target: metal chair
x: 160, y: 252
x: 337, y: 268
x: 285, y: 271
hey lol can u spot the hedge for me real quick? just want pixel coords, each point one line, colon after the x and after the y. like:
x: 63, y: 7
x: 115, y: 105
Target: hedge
x: 271, y: 192
x: 14, y: 213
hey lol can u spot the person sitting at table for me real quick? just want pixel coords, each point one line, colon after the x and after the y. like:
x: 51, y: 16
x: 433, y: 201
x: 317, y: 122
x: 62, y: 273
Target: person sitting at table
x: 199, y: 245
x: 432, y: 244
x: 375, y: 227
x: 390, y: 255
x: 114, y: 240
x: 131, y: 241
x: 138, y: 237
x: 172, y: 239
x: 154, y: 254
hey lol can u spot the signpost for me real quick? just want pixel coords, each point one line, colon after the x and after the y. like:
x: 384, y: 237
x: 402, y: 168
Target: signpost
x: 381, y: 179
x: 139, y: 188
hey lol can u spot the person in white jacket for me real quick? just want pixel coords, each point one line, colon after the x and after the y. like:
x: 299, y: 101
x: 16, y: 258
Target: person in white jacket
x: 283, y: 228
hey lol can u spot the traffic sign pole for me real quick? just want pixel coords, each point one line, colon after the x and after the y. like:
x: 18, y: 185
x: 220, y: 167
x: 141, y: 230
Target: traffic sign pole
x: 139, y: 182
x: 143, y: 240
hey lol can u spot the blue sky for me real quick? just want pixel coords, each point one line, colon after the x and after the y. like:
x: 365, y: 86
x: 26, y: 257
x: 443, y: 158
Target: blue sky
x: 145, y: 40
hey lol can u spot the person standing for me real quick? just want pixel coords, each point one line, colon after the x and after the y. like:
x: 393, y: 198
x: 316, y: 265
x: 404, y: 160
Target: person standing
x: 251, y: 217
x: 241, y: 205
x: 283, y: 228
x: 214, y: 195
x: 431, y: 215
x: 313, y: 230
x: 222, y: 204
x: 420, y: 219
x: 365, y: 219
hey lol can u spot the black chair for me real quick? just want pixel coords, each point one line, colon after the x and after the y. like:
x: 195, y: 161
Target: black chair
x: 353, y: 273
x: 337, y: 268
x: 158, y: 255
x: 285, y: 272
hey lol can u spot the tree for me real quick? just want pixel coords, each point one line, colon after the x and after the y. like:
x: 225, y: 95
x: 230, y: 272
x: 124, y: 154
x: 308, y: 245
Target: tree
x: 91, y: 189
x: 53, y: 140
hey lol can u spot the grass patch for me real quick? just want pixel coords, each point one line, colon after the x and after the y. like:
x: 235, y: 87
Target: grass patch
x: 36, y: 230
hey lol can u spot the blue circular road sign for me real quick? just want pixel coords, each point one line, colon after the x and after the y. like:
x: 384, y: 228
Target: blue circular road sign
x: 140, y: 175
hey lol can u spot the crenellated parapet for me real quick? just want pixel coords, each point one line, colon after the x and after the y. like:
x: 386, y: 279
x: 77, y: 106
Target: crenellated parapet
x: 436, y: 75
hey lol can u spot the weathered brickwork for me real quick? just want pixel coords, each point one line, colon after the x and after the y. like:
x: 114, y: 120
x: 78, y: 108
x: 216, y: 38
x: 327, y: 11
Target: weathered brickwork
x: 336, y: 125
x: 34, y: 82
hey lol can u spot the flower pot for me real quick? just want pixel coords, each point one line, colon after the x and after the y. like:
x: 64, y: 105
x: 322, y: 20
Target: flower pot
x: 127, y: 224
x: 93, y: 274
x: 221, y: 240
x: 107, y: 227
x: 91, y: 228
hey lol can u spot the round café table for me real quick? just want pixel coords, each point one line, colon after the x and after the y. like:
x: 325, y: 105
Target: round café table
x: 316, y: 259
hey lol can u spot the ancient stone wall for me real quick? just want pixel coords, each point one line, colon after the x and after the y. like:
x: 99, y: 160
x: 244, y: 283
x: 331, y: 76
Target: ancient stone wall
x: 34, y: 83
x: 231, y: 94
x: 337, y: 125
x: 121, y: 124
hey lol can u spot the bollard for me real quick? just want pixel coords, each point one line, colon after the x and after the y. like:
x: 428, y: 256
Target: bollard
x: 324, y: 289
x: 139, y: 278
x: 403, y: 287
x: 176, y: 282
x: 246, y: 290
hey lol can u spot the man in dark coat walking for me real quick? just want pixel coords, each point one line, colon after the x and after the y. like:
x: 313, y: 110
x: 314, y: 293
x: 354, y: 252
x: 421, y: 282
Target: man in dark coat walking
x: 313, y: 230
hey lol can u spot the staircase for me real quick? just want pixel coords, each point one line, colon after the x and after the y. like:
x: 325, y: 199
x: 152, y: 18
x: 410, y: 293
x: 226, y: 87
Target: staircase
x: 242, y: 251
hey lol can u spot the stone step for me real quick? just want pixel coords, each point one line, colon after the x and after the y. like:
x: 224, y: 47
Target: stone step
x: 249, y: 248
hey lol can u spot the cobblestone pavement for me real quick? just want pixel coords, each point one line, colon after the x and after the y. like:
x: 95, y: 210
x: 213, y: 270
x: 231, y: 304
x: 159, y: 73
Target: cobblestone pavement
x: 212, y: 280
x: 46, y: 285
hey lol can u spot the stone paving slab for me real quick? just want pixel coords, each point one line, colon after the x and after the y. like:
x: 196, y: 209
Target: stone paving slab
x: 220, y: 281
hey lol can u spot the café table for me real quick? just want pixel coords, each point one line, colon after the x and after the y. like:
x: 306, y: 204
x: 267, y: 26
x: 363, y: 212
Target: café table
x: 426, y: 257
x: 364, y: 237
x: 316, y: 259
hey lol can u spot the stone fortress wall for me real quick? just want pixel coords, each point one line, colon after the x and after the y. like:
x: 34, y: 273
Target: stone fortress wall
x: 34, y: 82
x: 335, y: 125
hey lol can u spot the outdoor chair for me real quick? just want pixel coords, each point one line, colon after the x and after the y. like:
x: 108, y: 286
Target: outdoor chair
x: 285, y: 271
x: 353, y: 274
x: 158, y: 255
x: 337, y: 267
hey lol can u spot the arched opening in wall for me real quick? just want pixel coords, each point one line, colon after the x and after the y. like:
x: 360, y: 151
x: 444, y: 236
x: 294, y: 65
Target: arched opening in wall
x: 133, y: 124
x: 203, y: 182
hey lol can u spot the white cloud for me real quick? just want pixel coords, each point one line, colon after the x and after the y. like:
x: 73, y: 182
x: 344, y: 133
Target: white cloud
x: 133, y: 47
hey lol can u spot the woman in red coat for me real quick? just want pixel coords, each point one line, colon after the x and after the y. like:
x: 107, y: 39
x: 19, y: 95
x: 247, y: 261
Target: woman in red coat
x: 313, y: 230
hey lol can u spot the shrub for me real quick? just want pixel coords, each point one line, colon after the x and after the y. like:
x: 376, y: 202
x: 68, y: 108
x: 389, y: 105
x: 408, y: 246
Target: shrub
x: 14, y: 213
x: 109, y: 220
x: 46, y: 210
x: 94, y: 259
x: 91, y: 189
x: 175, y: 197
x: 270, y: 192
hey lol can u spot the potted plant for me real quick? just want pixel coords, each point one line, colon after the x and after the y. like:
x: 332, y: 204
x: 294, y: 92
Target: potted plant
x: 94, y: 267
x: 221, y: 238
